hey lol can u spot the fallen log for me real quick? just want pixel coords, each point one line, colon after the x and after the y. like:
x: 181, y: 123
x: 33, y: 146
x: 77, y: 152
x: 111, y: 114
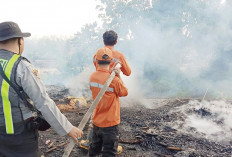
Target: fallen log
x: 174, y: 148
x: 53, y: 148
x: 138, y: 139
x: 50, y: 145
x: 169, y: 147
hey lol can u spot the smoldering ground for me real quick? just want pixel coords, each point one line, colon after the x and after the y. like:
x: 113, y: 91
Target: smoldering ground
x: 176, y: 49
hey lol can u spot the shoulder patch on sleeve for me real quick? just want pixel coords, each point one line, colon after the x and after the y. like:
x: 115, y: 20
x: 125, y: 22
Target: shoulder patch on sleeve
x: 36, y: 73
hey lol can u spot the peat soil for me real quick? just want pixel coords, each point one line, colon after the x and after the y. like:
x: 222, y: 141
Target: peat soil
x: 144, y: 132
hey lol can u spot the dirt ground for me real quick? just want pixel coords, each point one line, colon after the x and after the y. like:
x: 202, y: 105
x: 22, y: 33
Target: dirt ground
x: 144, y: 132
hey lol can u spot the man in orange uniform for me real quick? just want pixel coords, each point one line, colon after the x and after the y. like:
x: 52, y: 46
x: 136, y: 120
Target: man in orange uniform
x: 110, y: 40
x: 106, y: 116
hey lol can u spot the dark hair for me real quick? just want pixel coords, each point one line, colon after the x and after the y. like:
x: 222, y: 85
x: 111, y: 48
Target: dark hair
x: 102, y: 62
x: 110, y: 38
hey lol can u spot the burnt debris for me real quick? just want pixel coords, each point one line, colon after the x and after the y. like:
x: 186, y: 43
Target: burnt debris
x: 146, y: 132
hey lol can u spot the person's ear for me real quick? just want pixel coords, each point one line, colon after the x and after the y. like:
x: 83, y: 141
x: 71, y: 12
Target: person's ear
x: 21, y: 41
x: 115, y: 42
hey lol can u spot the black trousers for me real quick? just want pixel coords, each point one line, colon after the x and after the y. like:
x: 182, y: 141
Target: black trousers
x: 22, y: 145
x: 105, y: 141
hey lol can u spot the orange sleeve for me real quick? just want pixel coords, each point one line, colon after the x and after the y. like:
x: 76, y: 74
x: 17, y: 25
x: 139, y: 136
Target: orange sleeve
x: 119, y: 88
x: 126, y: 70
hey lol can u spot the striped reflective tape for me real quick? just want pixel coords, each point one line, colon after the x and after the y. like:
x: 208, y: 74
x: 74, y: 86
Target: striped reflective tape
x: 113, y: 60
x: 5, y: 96
x: 98, y: 85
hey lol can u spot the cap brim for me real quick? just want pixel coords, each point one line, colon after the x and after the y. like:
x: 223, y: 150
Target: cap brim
x: 26, y: 34
x: 15, y: 36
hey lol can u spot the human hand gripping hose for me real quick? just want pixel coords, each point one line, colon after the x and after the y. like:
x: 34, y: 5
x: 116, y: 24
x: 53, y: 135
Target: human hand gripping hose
x: 88, y: 114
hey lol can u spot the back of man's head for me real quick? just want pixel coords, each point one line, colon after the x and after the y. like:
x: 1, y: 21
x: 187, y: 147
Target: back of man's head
x: 9, y: 41
x: 11, y: 37
x: 104, y: 56
x: 10, y: 31
x: 110, y: 38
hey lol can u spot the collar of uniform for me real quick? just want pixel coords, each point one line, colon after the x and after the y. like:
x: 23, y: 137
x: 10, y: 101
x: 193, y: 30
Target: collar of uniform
x: 103, y: 69
x: 110, y: 47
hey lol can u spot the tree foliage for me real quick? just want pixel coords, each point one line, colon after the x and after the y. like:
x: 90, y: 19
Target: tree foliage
x: 176, y: 44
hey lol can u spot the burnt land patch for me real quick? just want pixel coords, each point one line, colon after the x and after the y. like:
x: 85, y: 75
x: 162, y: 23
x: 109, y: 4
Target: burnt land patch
x: 145, y: 133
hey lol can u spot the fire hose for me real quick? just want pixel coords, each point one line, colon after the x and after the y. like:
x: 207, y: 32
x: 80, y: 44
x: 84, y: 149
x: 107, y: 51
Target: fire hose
x: 88, y: 114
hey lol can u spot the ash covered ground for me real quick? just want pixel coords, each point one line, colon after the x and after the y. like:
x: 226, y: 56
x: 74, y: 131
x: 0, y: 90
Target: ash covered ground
x: 165, y: 127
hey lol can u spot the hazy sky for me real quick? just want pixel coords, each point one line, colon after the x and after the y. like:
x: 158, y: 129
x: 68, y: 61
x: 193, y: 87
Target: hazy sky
x: 49, y: 17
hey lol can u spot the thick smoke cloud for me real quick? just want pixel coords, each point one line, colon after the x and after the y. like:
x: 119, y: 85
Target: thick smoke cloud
x: 183, y: 49
x: 175, y: 48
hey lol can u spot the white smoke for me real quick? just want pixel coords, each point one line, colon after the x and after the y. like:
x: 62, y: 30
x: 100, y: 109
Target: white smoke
x: 174, y: 50
x: 79, y: 85
x: 185, y: 53
x: 213, y: 122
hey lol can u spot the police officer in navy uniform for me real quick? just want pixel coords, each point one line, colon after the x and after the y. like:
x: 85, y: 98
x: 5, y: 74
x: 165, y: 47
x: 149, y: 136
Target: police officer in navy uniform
x: 16, y: 139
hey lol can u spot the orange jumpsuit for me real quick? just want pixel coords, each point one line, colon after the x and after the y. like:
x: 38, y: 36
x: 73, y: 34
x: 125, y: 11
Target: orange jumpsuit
x: 107, y: 112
